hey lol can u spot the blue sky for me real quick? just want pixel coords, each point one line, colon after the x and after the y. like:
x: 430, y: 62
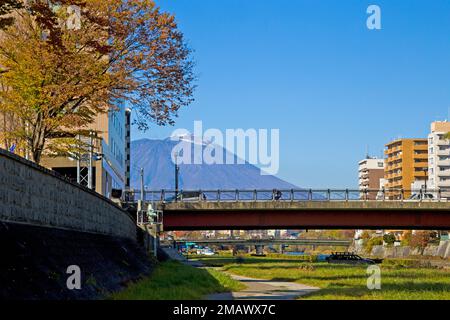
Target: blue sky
x: 313, y: 70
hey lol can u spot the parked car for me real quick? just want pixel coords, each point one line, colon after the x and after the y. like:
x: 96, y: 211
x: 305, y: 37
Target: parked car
x: 205, y: 252
x: 350, y: 258
x: 187, y: 196
x: 422, y: 197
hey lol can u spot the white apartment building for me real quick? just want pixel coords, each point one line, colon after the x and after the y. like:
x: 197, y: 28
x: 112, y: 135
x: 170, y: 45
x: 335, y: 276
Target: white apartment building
x: 439, y: 157
x: 370, y: 171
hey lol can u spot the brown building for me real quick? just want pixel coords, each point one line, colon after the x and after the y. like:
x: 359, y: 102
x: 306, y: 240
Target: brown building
x: 406, y: 162
x: 371, y: 171
x: 111, y: 154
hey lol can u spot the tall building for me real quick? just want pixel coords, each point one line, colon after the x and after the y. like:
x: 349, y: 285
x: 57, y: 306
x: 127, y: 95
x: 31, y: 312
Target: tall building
x: 110, y: 167
x: 406, y: 162
x: 439, y: 158
x: 128, y: 149
x: 371, y: 170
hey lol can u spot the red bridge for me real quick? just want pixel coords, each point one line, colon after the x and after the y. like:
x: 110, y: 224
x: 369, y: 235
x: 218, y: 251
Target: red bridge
x: 306, y: 215
x: 203, y: 212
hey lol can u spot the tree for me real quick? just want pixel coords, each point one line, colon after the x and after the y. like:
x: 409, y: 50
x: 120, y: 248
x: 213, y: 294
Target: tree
x: 366, y: 235
x: 420, y: 240
x: 389, y: 238
x: 63, y: 66
x: 370, y: 243
x: 406, y: 238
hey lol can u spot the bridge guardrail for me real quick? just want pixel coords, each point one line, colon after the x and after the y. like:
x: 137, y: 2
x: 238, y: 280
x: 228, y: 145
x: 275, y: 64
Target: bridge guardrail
x: 293, y: 195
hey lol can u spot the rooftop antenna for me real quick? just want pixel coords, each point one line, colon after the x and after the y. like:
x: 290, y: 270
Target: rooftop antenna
x: 367, y: 152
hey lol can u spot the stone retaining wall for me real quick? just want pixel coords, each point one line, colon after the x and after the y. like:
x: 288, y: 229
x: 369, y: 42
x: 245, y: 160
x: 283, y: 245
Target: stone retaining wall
x: 442, y: 250
x: 37, y: 196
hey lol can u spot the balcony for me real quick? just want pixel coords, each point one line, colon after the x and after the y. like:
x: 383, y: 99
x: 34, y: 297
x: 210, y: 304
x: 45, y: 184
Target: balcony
x: 443, y: 184
x: 364, y: 177
x: 394, y: 166
x: 444, y: 173
x: 394, y: 158
x: 394, y: 185
x: 421, y: 156
x: 393, y: 150
x: 423, y: 146
x: 443, y: 162
x: 396, y: 175
x: 443, y: 152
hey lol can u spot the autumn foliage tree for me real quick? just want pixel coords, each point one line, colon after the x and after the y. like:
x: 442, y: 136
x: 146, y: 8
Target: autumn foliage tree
x: 65, y: 61
x: 420, y: 240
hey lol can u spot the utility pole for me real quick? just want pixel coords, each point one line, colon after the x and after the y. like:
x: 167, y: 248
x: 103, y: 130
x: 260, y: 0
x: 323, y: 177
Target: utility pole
x: 177, y: 171
x: 91, y: 155
x: 425, y: 171
x: 142, y: 186
x: 78, y: 161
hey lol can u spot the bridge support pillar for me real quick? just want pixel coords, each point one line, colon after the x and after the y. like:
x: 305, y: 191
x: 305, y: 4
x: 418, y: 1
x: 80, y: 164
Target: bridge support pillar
x: 150, y: 239
x: 259, y: 250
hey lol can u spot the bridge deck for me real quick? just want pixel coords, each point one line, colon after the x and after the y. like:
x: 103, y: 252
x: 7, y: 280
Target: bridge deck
x: 248, y: 215
x: 315, y: 242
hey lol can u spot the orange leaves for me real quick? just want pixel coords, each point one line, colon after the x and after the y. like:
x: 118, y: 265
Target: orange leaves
x: 60, y: 77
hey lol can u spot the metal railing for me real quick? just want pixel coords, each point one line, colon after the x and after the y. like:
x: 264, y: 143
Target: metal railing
x: 292, y: 195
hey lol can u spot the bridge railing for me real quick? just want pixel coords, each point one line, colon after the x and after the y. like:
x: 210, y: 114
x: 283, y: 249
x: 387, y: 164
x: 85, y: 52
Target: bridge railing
x: 293, y: 195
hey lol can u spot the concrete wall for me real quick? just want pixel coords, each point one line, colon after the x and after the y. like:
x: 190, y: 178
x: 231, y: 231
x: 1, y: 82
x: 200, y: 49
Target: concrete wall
x: 442, y: 250
x: 33, y: 195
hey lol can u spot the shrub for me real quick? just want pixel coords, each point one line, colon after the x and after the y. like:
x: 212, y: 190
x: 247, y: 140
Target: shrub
x: 377, y: 241
x: 389, y: 238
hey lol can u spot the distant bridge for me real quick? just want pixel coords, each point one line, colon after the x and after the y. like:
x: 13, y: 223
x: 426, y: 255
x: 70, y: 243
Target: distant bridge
x: 257, y: 242
x: 300, y: 209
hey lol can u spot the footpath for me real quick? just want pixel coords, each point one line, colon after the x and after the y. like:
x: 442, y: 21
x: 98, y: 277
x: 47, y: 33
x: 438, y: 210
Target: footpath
x: 256, y: 289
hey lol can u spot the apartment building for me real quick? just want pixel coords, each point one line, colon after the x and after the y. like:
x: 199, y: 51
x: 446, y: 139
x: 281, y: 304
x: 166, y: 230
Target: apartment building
x: 128, y: 149
x: 111, y: 148
x: 406, y: 162
x: 439, y: 157
x: 371, y: 171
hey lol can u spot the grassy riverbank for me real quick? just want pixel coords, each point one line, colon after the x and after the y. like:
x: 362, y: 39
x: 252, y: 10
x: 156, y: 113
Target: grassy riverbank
x: 175, y: 281
x: 399, y: 279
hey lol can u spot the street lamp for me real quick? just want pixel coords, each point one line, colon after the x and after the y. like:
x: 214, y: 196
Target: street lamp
x: 177, y: 172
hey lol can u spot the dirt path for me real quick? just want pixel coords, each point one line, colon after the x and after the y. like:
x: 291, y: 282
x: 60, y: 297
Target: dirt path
x: 259, y: 289
x: 256, y: 289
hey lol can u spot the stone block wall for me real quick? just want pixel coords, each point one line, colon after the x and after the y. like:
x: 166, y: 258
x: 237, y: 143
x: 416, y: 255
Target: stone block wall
x: 33, y: 195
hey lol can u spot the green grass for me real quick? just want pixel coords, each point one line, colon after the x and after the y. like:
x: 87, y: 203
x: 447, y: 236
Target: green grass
x: 175, y: 281
x: 399, y: 280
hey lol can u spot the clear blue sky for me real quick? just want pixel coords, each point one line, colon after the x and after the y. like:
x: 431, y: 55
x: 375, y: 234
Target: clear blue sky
x: 313, y: 70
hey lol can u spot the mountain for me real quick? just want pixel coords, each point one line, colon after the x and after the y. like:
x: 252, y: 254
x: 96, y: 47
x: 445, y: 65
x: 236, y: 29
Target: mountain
x: 159, y: 172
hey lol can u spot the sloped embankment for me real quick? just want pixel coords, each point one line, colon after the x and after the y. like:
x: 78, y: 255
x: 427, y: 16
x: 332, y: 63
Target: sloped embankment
x: 34, y: 262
